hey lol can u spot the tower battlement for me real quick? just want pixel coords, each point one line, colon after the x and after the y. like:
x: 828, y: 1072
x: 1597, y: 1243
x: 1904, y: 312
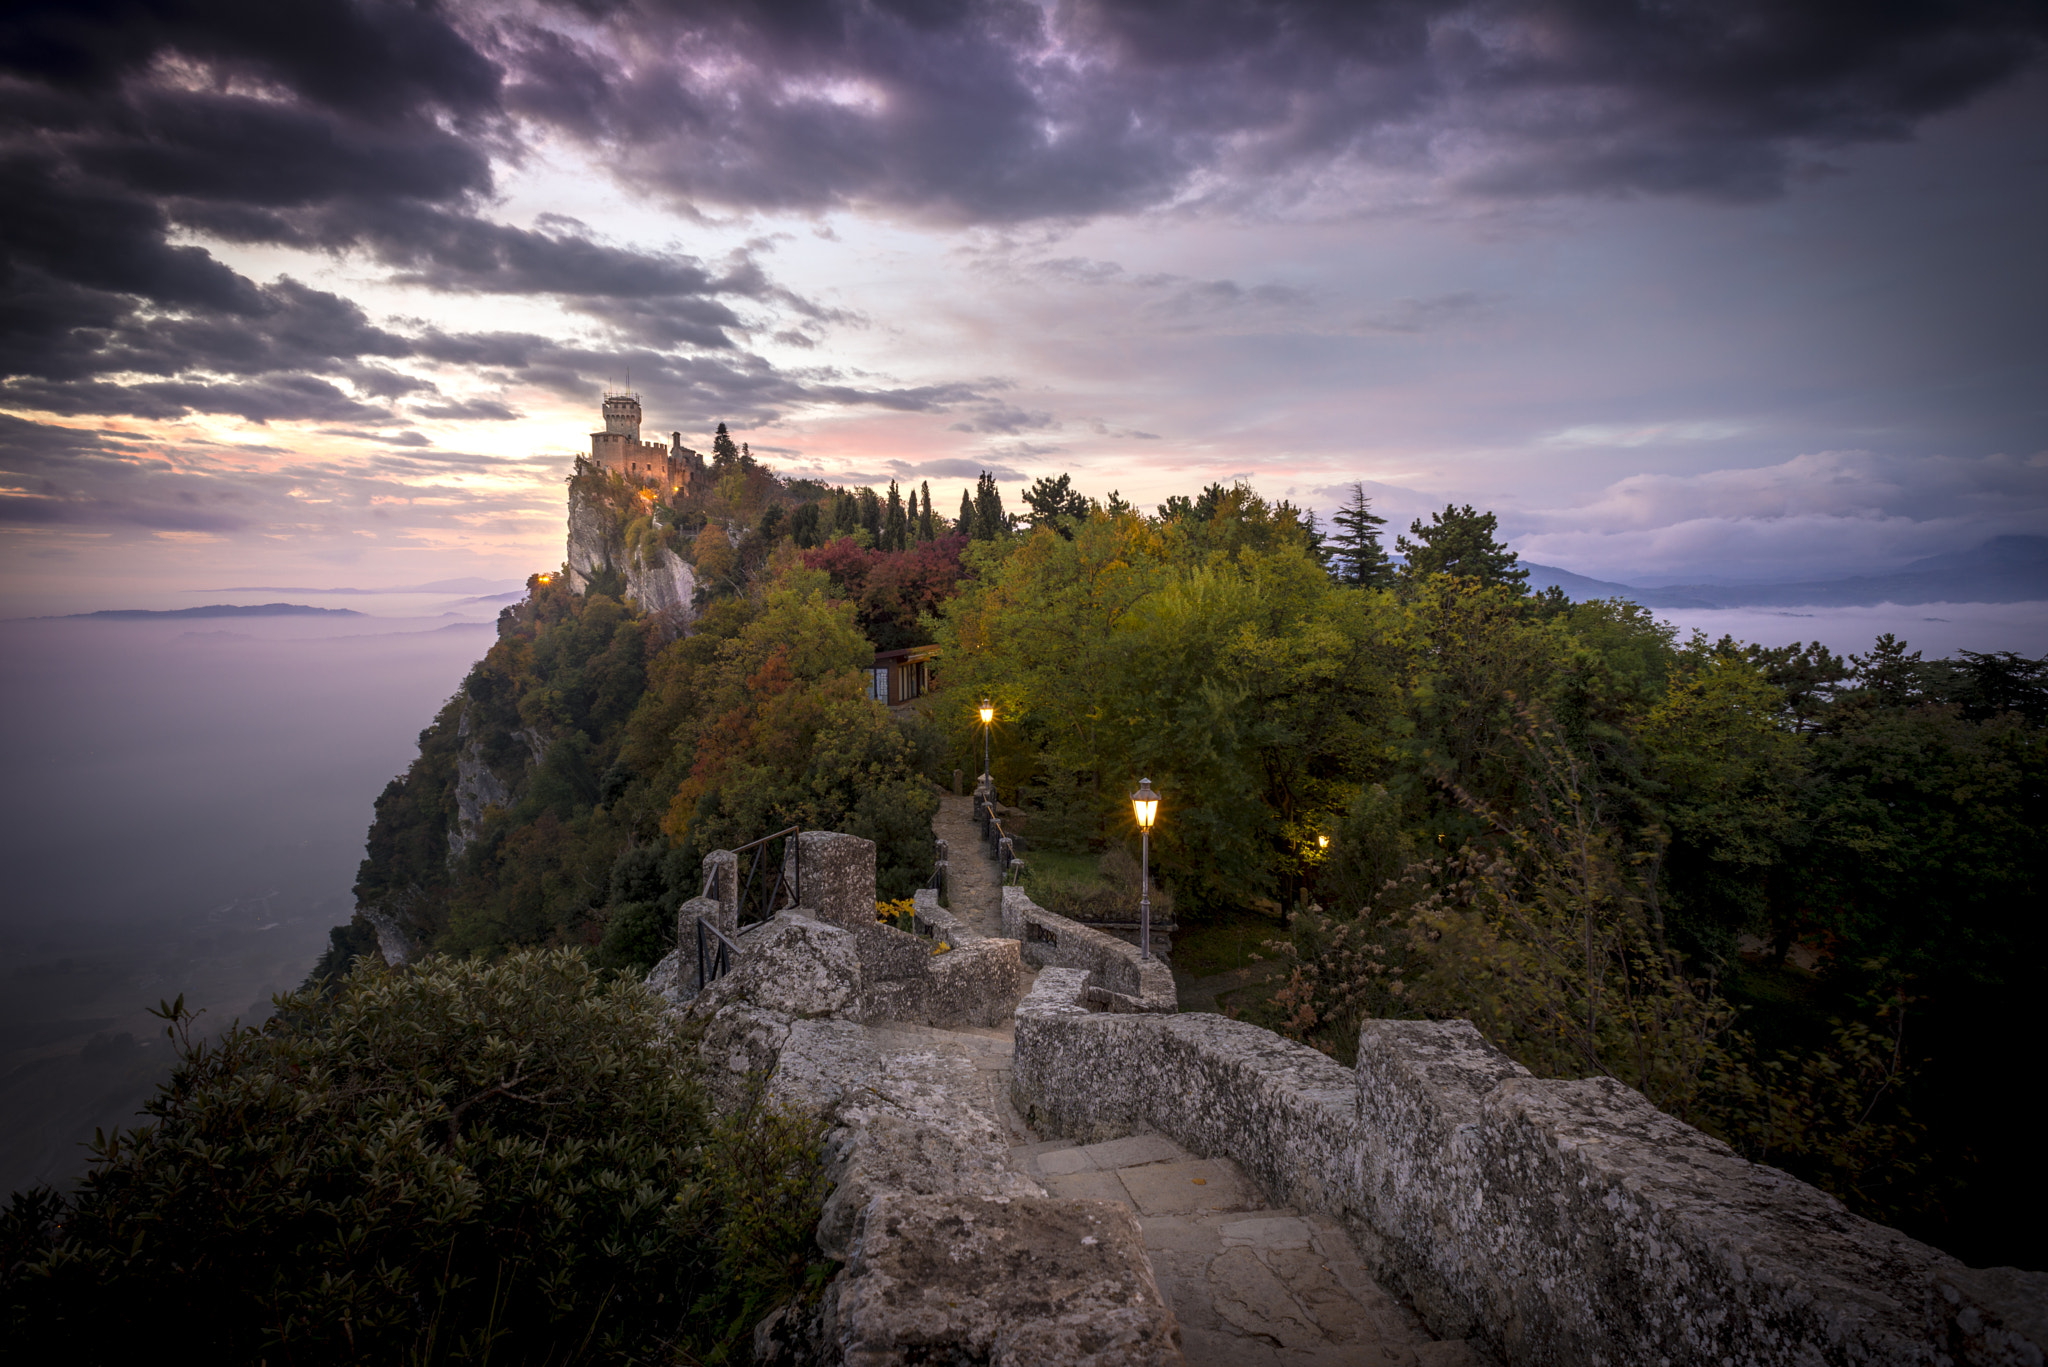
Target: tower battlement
x: 618, y: 449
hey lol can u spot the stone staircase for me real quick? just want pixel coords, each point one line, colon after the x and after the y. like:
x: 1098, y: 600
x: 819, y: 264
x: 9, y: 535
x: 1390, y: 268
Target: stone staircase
x: 1250, y: 1284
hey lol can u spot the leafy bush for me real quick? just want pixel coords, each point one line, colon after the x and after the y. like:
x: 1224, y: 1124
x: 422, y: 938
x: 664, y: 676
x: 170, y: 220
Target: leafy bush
x: 444, y: 1162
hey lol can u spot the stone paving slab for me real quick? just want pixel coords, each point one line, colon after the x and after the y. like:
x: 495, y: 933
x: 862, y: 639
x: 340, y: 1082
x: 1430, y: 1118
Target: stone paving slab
x: 1130, y: 1152
x: 1274, y: 1287
x: 1251, y: 1286
x: 1200, y: 1184
x: 973, y: 892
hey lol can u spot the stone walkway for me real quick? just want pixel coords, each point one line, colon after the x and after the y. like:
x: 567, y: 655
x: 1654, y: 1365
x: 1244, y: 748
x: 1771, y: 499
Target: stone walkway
x: 975, y: 894
x: 1251, y: 1286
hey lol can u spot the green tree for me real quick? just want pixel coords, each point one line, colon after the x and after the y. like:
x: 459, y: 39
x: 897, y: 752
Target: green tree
x: 926, y: 530
x: 964, y: 524
x: 1461, y: 541
x: 989, y: 521
x: 1055, y: 503
x: 895, y: 523
x: 439, y: 1163
x: 725, y: 456
x: 1364, y: 562
x: 1732, y: 781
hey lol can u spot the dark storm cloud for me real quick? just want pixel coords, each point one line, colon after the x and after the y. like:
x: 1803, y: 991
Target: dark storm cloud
x: 325, y: 125
x: 999, y: 110
x: 373, y: 128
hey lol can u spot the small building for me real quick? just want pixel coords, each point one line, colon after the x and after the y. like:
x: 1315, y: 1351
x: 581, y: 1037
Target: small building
x: 672, y: 469
x: 902, y: 676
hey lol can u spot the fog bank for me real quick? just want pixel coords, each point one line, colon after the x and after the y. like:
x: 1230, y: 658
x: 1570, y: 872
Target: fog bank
x: 184, y: 811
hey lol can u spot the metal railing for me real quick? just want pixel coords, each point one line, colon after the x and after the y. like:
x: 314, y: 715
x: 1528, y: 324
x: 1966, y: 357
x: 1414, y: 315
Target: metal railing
x: 756, y: 897
x: 1001, y: 843
x: 714, y: 953
x: 749, y: 907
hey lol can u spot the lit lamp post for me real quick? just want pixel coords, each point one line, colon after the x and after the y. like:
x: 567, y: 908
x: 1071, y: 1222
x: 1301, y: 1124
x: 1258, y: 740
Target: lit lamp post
x: 988, y: 716
x: 1145, y: 804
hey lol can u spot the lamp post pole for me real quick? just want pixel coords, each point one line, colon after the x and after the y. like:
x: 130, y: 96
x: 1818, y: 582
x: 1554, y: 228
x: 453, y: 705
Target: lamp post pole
x: 988, y: 716
x: 1145, y: 893
x: 1145, y: 806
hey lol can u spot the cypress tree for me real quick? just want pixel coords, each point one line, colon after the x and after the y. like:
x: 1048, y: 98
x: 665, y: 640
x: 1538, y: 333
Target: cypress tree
x: 989, y: 521
x: 724, y: 455
x: 893, y: 521
x: 925, y: 530
x: 965, y: 526
x: 871, y: 515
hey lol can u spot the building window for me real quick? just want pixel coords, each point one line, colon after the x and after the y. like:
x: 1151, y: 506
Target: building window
x: 878, y: 685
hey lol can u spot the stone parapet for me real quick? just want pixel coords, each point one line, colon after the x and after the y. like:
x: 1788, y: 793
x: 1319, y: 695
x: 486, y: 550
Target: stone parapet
x: 836, y: 880
x: 1119, y: 980
x: 1017, y: 1281
x: 1557, y: 1222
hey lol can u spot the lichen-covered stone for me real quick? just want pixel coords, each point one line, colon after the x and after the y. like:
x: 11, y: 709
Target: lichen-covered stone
x: 1119, y: 979
x: 834, y: 875
x: 1023, y: 1282
x: 740, y: 1041
x: 1556, y: 1222
x: 905, y: 980
x: 820, y: 1062
x: 792, y: 966
x: 674, y: 978
x: 722, y: 888
x: 920, y: 1122
x: 1218, y: 1087
x: 687, y: 916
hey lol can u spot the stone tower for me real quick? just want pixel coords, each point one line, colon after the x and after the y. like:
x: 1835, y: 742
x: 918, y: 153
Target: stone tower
x: 619, y: 449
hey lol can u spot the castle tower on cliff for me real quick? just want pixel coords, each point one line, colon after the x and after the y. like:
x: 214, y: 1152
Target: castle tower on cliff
x: 618, y: 449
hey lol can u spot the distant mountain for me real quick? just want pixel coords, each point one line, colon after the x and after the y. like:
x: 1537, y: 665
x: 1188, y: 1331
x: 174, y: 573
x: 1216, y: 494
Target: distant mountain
x: 216, y: 610
x: 2005, y: 569
x: 470, y: 585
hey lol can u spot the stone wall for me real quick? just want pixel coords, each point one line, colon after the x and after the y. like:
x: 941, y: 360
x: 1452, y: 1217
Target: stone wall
x: 1557, y: 1222
x: 1118, y: 979
x: 836, y: 877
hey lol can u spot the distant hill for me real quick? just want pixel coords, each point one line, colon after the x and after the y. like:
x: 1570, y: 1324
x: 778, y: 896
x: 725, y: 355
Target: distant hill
x: 2005, y: 569
x: 216, y: 610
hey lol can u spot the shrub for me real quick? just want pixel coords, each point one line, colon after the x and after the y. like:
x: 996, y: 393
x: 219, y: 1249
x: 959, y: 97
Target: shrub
x: 451, y: 1160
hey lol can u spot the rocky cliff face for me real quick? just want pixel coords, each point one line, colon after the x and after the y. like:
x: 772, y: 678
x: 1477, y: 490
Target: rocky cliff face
x: 591, y: 549
x: 664, y: 588
x: 476, y: 788
x: 661, y: 582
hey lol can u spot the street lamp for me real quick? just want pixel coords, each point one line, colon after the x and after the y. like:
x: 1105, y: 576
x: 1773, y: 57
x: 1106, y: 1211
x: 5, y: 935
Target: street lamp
x: 988, y: 716
x: 1145, y: 805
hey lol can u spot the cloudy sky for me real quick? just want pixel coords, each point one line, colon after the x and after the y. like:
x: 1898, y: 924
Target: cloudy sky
x: 326, y: 293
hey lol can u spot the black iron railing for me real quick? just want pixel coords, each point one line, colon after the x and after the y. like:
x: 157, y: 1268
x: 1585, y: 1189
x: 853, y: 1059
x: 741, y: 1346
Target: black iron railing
x: 772, y: 880
x: 714, y: 953
x: 1001, y: 843
x: 761, y: 894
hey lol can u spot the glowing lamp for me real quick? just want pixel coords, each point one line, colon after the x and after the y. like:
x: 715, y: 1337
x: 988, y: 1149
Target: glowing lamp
x: 1323, y: 842
x: 1145, y: 804
x: 988, y: 711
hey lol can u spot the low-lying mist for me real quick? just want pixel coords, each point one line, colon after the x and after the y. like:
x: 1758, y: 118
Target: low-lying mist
x: 183, y: 812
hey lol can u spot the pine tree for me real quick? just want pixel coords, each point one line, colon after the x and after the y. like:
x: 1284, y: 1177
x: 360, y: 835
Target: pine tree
x: 1460, y: 541
x: 926, y: 531
x: 1362, y: 560
x: 871, y: 516
x: 965, y: 526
